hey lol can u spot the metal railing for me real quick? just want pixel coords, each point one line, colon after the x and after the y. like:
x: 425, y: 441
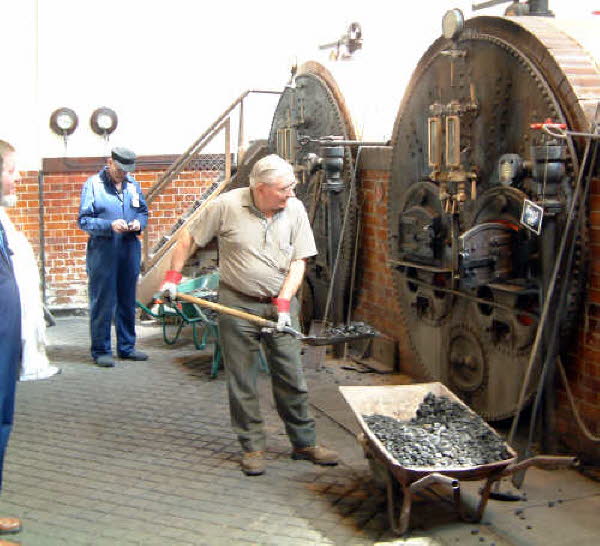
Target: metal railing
x: 185, y: 160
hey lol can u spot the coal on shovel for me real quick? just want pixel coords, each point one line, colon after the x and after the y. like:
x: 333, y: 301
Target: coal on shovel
x: 331, y: 336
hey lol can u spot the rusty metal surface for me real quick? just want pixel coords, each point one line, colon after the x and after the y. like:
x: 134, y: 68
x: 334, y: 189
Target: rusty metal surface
x: 314, y: 106
x: 503, y: 74
x: 256, y: 151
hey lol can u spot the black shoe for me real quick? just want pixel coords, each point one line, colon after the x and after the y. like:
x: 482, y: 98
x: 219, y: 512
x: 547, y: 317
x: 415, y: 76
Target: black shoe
x: 134, y: 355
x: 105, y: 361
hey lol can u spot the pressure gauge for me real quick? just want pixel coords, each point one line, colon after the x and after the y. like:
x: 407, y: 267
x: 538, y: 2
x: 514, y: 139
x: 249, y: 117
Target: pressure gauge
x: 453, y: 23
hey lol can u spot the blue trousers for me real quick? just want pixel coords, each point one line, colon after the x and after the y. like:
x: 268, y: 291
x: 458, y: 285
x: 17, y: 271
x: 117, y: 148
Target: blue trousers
x: 113, y: 266
x: 10, y: 352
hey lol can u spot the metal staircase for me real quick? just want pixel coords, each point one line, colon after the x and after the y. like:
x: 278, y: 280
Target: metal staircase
x: 156, y: 260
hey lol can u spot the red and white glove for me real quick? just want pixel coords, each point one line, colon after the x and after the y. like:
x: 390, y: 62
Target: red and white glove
x: 283, y: 313
x: 168, y: 288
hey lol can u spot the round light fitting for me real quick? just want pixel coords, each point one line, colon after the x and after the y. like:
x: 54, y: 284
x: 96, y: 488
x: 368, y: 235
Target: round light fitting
x: 63, y: 121
x: 103, y: 121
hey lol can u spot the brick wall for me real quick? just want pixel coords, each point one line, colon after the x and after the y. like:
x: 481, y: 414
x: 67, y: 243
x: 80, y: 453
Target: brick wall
x: 583, y: 364
x: 65, y: 243
x: 26, y: 216
x: 375, y: 280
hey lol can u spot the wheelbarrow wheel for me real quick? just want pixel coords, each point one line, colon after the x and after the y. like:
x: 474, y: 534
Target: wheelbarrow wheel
x: 172, y: 327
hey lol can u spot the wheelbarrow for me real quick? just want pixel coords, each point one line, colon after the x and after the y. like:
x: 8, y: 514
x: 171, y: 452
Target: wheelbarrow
x: 174, y: 316
x: 401, y: 402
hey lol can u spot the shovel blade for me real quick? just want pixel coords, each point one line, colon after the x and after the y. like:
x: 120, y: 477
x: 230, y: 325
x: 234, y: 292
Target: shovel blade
x: 331, y: 339
x: 335, y: 340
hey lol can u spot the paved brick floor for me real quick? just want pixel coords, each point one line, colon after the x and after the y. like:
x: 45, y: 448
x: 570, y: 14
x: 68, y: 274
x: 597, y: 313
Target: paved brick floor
x: 143, y: 454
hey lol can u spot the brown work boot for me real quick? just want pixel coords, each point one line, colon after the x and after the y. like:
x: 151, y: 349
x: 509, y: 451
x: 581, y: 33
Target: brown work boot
x: 10, y: 525
x: 253, y: 463
x: 316, y: 454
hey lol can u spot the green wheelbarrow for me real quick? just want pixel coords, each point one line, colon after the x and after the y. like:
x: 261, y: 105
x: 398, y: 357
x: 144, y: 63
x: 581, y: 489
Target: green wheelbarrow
x: 175, y: 315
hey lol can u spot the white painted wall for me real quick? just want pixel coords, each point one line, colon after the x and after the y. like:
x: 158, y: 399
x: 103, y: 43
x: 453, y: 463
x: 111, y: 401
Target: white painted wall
x: 170, y: 68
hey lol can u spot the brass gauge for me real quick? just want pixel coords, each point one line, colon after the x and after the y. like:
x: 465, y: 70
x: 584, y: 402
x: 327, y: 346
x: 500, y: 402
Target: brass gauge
x: 453, y: 23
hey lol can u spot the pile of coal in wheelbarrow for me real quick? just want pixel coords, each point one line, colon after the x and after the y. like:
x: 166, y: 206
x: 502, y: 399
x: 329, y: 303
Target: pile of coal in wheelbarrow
x: 443, y: 433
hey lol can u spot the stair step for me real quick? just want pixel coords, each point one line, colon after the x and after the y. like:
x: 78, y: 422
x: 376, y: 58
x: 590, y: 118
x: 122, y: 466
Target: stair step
x: 183, y: 218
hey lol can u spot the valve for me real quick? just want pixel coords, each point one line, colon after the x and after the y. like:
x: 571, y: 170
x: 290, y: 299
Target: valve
x: 548, y: 124
x: 332, y: 163
x: 510, y: 169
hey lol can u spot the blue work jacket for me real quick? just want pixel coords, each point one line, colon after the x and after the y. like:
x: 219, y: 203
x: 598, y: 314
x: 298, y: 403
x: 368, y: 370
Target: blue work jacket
x: 101, y: 204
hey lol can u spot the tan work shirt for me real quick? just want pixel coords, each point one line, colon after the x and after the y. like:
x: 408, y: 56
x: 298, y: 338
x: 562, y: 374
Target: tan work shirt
x: 255, y: 252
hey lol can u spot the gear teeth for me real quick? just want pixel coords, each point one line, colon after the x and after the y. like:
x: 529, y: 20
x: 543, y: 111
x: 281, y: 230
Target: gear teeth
x: 539, y: 64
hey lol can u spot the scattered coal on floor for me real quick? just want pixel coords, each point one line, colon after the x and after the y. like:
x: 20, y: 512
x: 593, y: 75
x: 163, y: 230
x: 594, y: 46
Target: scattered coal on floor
x: 443, y: 433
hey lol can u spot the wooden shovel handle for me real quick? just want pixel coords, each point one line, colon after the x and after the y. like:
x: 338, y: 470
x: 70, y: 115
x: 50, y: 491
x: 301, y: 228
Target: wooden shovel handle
x: 227, y: 310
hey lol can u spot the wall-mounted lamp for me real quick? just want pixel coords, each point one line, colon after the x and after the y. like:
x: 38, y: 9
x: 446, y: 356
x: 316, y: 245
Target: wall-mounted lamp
x: 63, y: 122
x: 347, y: 45
x: 103, y: 121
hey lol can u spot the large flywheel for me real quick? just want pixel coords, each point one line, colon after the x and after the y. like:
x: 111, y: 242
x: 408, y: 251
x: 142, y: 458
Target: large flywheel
x: 470, y: 277
x: 310, y: 108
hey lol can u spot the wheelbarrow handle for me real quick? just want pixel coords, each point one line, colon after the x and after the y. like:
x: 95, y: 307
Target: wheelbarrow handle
x: 237, y: 313
x: 540, y: 461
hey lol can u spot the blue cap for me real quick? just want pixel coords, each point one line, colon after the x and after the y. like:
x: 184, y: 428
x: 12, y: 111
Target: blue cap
x: 124, y: 158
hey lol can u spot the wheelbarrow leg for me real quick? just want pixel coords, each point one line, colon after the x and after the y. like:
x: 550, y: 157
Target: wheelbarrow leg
x: 392, y: 492
x: 405, y: 510
x: 431, y: 479
x: 216, y: 354
x: 485, y: 496
x: 199, y: 344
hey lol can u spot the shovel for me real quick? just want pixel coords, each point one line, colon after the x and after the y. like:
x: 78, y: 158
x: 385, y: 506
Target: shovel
x: 309, y: 340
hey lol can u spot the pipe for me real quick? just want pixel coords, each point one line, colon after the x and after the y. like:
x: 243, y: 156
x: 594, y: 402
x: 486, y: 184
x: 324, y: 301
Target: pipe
x: 539, y: 7
x: 42, y: 234
x: 329, y: 141
x: 545, y: 391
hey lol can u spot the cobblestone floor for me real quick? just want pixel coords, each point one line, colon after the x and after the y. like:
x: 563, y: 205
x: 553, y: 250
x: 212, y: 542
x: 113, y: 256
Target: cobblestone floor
x: 143, y: 454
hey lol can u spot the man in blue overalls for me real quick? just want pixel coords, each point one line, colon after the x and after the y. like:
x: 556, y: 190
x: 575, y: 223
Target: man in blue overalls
x: 10, y: 320
x: 113, y: 212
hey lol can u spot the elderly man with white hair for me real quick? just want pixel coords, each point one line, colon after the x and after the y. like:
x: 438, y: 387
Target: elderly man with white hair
x: 264, y: 240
